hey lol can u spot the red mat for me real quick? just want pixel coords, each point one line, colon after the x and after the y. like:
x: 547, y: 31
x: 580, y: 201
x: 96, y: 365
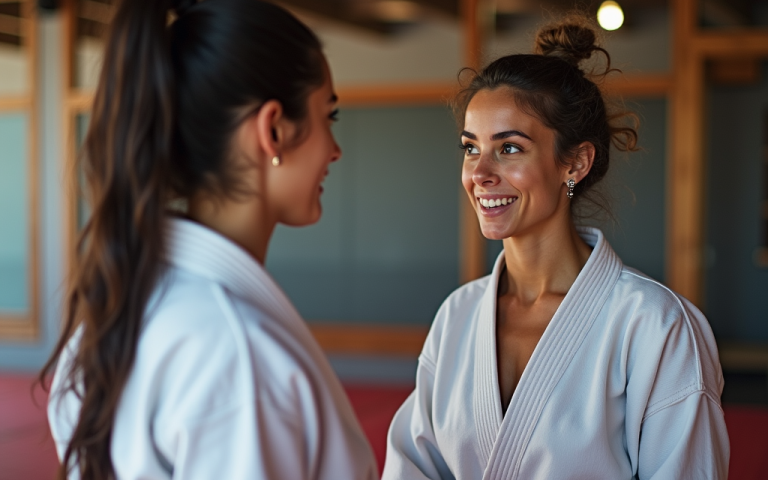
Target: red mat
x: 27, y: 451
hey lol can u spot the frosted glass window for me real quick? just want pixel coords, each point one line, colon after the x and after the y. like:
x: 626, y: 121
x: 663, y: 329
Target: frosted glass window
x: 14, y: 56
x: 14, y: 213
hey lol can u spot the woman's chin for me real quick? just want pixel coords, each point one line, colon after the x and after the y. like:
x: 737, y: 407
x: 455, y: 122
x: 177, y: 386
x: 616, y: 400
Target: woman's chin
x: 305, y: 218
x: 493, y: 233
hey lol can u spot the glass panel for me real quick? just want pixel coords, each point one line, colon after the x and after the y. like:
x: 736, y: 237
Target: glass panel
x: 386, y: 248
x: 14, y: 56
x: 736, y: 285
x: 14, y: 214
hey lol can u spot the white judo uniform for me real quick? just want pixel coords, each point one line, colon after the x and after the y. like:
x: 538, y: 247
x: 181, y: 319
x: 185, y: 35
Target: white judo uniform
x: 624, y: 383
x: 228, y: 381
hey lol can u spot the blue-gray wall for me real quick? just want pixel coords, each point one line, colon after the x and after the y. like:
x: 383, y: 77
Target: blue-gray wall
x: 386, y: 248
x: 14, y: 215
x: 736, y: 300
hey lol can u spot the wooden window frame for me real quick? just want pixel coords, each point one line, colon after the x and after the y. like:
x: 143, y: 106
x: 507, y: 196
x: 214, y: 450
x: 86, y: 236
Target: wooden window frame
x: 692, y: 47
x: 683, y: 87
x: 26, y: 327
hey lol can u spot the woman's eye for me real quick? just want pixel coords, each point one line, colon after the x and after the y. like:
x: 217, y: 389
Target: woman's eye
x: 334, y: 116
x: 469, y: 149
x: 509, y: 148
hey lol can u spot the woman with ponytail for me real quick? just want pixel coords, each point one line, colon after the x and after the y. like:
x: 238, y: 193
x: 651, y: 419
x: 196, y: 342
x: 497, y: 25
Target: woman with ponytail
x: 180, y: 357
x: 562, y: 363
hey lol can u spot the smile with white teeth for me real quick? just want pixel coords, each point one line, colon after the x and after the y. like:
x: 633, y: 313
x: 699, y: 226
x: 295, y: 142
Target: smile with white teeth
x: 493, y: 203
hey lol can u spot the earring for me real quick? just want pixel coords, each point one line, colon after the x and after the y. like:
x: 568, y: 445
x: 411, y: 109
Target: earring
x: 276, y: 160
x: 571, y: 183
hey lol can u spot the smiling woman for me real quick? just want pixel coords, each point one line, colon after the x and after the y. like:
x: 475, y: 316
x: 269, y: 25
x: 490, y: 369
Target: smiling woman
x: 572, y: 365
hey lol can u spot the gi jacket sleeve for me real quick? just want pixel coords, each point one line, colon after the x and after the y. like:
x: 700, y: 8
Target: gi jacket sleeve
x: 412, y: 450
x: 243, y: 403
x: 677, y: 376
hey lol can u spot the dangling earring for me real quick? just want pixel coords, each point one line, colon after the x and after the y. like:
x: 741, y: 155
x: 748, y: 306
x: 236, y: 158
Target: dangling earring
x: 571, y: 183
x: 276, y: 160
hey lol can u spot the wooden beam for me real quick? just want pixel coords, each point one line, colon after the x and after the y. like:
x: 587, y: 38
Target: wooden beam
x: 34, y: 190
x: 11, y: 25
x: 357, y: 339
x: 14, y: 104
x: 640, y: 85
x: 734, y: 71
x: 18, y: 328
x: 685, y: 174
x: 75, y: 102
x: 95, y: 11
x: 472, y: 244
x: 406, y: 94
x: 337, y: 10
x: 79, y: 100
x: 738, y: 356
x: 743, y: 43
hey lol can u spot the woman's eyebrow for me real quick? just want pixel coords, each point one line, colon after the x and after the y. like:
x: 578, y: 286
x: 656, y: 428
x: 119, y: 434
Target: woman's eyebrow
x: 498, y: 136
x: 509, y: 133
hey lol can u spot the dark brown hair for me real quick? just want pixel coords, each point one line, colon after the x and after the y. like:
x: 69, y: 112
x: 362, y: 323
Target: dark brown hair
x: 550, y: 85
x: 168, y: 101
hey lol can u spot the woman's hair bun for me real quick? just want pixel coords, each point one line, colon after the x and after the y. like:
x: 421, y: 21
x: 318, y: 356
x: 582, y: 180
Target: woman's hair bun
x: 573, y: 39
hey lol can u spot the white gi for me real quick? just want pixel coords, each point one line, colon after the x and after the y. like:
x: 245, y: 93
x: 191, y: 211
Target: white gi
x: 624, y: 383
x: 228, y: 381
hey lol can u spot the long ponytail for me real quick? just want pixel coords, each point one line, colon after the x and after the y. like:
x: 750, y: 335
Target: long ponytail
x: 126, y: 160
x: 169, y: 99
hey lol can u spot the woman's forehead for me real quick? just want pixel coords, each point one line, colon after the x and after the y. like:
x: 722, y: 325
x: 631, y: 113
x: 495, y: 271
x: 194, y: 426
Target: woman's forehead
x: 498, y: 110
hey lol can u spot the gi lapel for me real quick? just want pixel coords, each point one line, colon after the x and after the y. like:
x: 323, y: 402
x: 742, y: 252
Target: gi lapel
x: 198, y: 249
x: 486, y: 401
x: 554, y: 352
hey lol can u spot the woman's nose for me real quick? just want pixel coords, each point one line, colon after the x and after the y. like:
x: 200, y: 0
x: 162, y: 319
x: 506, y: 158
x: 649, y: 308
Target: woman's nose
x: 484, y: 173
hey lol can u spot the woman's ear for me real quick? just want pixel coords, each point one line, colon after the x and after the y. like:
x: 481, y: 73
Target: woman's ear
x: 270, y: 128
x: 581, y: 164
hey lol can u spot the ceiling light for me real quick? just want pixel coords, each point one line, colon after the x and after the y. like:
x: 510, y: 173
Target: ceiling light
x: 609, y: 15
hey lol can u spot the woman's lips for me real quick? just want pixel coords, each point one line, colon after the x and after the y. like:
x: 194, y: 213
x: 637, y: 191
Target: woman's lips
x: 496, y: 205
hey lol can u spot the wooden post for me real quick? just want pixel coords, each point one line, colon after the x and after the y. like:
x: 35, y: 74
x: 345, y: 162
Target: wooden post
x: 685, y: 182
x: 26, y: 326
x: 471, y: 241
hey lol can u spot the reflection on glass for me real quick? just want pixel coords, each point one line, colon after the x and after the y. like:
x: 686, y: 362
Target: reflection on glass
x: 14, y: 214
x: 91, y: 25
x: 83, y: 212
x: 14, y: 57
x: 733, y: 15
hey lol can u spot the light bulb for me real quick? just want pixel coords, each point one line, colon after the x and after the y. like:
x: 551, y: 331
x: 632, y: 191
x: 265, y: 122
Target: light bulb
x: 609, y: 15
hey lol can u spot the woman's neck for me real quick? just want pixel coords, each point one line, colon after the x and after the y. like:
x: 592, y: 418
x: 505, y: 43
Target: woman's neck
x: 244, y: 222
x: 543, y: 262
